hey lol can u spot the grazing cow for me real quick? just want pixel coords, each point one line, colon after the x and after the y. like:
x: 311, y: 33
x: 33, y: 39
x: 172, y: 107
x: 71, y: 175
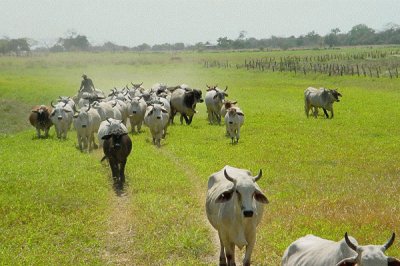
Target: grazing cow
x: 108, y: 126
x: 214, y: 100
x: 234, y: 119
x: 311, y: 250
x: 234, y: 207
x: 227, y: 104
x: 40, y: 119
x: 61, y: 116
x: 117, y: 146
x: 136, y: 111
x: 86, y: 122
x: 184, y: 101
x: 156, y: 118
x: 320, y: 98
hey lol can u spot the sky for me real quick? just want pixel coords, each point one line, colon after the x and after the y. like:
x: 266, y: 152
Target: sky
x: 133, y: 22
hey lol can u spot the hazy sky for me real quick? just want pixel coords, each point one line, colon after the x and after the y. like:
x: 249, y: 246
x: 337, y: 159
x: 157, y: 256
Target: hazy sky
x: 133, y: 22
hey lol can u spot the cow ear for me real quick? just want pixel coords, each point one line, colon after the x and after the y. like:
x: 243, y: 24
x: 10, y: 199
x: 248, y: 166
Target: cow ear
x: 240, y: 113
x: 35, y: 111
x: 224, y: 196
x: 215, y: 96
x: 393, y: 262
x: 347, y: 262
x: 260, y: 197
x: 164, y: 110
x: 106, y: 137
x: 76, y: 115
x: 52, y: 113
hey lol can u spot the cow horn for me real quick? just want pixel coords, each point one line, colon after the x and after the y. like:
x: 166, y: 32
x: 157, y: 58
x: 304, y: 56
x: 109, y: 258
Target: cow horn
x: 65, y: 104
x: 226, y: 88
x: 228, y: 177
x: 257, y: 177
x: 108, y: 120
x: 349, y: 243
x: 389, y: 242
x: 88, y: 108
x: 52, y: 104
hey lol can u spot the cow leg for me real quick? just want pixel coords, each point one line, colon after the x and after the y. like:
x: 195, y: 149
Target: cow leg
x: 238, y: 135
x: 332, y: 113
x: 222, y: 258
x: 114, y: 167
x: 326, y: 113
x: 139, y: 126
x: 38, y: 133
x: 122, y: 171
x: 46, y: 133
x: 189, y: 120
x: 315, y: 111
x: 230, y: 254
x: 249, y: 248
x: 93, y: 140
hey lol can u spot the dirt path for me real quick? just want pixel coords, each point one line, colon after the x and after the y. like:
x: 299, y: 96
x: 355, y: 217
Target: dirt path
x: 200, y: 194
x: 120, y: 230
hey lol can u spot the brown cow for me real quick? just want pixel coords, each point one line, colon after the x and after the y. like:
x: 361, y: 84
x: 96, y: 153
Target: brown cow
x: 40, y: 119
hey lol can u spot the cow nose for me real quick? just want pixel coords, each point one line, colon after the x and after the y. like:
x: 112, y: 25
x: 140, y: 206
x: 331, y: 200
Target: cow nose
x: 83, y: 126
x: 248, y: 213
x: 134, y: 112
x: 230, y: 122
x: 59, y: 118
x: 158, y: 117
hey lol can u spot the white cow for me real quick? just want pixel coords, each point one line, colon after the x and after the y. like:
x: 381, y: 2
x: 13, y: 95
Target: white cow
x: 234, y: 207
x: 104, y: 109
x: 61, y: 116
x: 214, y: 100
x: 320, y: 98
x: 136, y: 110
x: 86, y: 123
x: 156, y: 118
x: 315, y: 251
x: 234, y: 119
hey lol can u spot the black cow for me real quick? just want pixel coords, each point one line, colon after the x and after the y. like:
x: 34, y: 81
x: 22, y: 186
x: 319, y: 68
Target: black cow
x: 184, y: 100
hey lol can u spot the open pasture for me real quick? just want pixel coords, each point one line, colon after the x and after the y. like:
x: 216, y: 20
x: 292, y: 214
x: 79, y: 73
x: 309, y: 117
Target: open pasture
x: 321, y: 176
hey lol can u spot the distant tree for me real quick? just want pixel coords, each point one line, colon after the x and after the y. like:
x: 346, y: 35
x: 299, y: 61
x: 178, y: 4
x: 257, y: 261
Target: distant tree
x: 143, y: 47
x: 74, y: 43
x: 332, y: 38
x: 224, y: 43
x: 361, y: 34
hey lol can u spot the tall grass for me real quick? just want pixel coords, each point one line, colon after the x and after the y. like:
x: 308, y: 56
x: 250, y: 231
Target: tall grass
x: 322, y: 176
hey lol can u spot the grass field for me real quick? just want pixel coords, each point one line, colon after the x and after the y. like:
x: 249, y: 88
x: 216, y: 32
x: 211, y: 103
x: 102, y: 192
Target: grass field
x: 325, y: 177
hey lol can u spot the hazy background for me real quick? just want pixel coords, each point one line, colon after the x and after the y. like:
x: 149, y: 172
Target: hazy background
x: 135, y: 22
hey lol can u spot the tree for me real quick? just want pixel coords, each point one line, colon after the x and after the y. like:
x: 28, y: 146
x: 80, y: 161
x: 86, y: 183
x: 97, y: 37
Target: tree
x: 332, y: 38
x: 224, y: 43
x: 361, y: 34
x: 78, y: 43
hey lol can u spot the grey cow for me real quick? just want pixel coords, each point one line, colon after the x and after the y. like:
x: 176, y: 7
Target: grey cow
x: 320, y: 98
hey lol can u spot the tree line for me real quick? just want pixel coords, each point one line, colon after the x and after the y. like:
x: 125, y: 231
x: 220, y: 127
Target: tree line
x: 360, y: 34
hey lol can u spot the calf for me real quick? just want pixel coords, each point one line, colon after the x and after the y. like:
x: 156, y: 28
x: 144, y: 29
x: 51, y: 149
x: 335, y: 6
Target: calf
x: 117, y: 146
x: 86, y: 122
x: 234, y: 207
x: 234, y: 119
x: 315, y: 251
x: 40, y: 119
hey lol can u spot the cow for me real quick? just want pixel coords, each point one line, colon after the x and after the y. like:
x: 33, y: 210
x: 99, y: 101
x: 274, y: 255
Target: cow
x: 214, y: 99
x: 105, y: 110
x: 86, y: 123
x: 136, y: 110
x: 156, y: 118
x: 116, y: 147
x: 184, y: 100
x: 234, y: 119
x: 40, y: 119
x: 234, y: 207
x: 311, y: 250
x: 68, y: 100
x: 110, y: 125
x: 61, y: 116
x: 320, y: 98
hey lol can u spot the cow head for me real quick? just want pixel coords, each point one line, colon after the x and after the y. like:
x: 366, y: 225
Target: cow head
x: 336, y: 95
x: 371, y: 255
x: 232, y: 114
x: 157, y: 110
x: 245, y: 192
x: 59, y: 110
x: 83, y: 117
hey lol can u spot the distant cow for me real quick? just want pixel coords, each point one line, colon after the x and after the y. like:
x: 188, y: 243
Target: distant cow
x: 234, y: 207
x: 227, y: 104
x: 40, y: 119
x: 214, y: 100
x: 234, y: 119
x: 156, y: 118
x: 320, y: 98
x: 61, y: 116
x: 315, y: 251
x: 184, y: 101
x: 117, y: 146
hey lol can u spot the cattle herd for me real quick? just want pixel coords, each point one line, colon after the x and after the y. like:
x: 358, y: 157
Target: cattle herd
x: 234, y: 202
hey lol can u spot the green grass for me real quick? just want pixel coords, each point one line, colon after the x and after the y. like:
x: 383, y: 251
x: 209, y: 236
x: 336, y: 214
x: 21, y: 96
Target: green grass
x: 321, y: 176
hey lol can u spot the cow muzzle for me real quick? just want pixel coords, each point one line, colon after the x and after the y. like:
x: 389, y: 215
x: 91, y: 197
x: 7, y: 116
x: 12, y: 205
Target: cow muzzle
x: 83, y: 126
x: 59, y: 117
x: 158, y: 117
x: 230, y: 122
x: 248, y: 214
x: 133, y: 112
